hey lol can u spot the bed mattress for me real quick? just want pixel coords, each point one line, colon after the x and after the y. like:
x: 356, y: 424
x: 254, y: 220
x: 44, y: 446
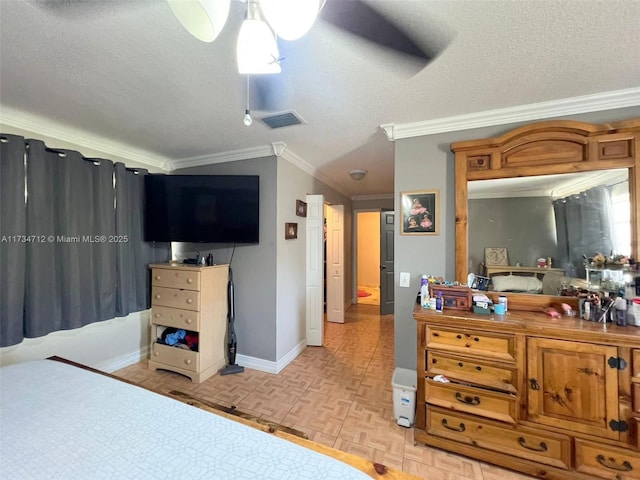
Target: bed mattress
x: 58, y: 421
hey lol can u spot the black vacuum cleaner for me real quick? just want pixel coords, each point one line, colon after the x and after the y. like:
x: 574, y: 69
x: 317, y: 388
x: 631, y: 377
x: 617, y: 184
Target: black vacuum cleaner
x: 231, y: 332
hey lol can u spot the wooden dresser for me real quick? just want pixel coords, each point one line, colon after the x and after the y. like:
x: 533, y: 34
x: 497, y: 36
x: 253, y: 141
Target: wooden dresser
x: 553, y: 398
x: 194, y: 299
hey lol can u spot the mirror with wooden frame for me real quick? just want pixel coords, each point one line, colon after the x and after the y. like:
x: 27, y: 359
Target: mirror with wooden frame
x: 556, y: 147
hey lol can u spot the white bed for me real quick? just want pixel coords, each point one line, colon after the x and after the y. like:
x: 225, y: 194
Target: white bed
x: 58, y: 421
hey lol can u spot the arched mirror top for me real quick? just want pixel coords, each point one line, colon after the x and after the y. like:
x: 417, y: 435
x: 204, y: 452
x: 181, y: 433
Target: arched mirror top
x: 543, y: 149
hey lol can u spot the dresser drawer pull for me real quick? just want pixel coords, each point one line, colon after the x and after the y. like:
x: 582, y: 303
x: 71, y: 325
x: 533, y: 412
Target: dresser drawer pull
x: 157, y: 296
x: 189, y: 321
x: 157, y: 277
x: 460, y: 364
x: 610, y: 463
x: 534, y: 384
x: 189, y: 280
x: 467, y: 399
x: 461, y: 428
x: 189, y: 300
x: 187, y: 361
x: 541, y: 448
x: 458, y: 337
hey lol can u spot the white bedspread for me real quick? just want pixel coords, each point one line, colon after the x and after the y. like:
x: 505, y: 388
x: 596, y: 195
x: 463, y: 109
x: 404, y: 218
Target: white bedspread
x: 62, y: 422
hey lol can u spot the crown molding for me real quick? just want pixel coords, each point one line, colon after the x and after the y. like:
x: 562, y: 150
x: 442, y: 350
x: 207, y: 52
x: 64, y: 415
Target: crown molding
x: 288, y: 155
x: 535, y: 111
x: 379, y: 196
x: 39, y: 125
x: 223, y: 157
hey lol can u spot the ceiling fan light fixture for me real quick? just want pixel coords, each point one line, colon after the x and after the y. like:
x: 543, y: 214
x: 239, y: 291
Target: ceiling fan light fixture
x: 204, y: 19
x: 357, y: 174
x: 257, y: 49
x: 290, y: 19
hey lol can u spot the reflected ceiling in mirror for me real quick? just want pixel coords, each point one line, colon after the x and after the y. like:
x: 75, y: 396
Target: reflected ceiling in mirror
x: 563, y: 217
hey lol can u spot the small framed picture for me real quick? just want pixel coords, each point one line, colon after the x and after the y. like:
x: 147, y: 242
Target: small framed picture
x: 301, y: 208
x: 420, y: 214
x: 290, y: 231
x: 495, y: 256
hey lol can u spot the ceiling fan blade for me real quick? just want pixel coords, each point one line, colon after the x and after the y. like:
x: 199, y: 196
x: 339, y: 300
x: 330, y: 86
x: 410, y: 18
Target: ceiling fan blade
x: 364, y: 21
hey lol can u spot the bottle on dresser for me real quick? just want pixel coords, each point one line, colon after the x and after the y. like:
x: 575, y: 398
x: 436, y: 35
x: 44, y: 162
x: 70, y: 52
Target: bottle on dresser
x: 424, y: 292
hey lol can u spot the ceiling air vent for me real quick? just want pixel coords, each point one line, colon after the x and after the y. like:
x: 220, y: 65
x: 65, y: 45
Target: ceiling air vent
x: 284, y: 119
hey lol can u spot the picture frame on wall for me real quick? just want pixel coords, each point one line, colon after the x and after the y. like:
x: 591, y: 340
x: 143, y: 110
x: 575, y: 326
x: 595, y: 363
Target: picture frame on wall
x: 420, y: 212
x: 290, y: 231
x: 301, y: 208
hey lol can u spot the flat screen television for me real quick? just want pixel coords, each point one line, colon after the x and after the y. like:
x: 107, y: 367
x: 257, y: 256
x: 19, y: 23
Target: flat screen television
x: 201, y: 208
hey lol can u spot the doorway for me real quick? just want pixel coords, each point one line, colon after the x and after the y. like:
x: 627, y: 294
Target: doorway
x: 368, y: 257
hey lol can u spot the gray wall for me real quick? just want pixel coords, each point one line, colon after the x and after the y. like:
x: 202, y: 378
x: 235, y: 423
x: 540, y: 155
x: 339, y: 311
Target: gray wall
x: 270, y: 277
x: 524, y: 225
x: 427, y: 163
x: 254, y: 266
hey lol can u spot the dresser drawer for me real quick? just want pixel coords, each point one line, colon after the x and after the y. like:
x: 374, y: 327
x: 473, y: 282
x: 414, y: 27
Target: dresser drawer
x: 544, y: 447
x: 175, y: 357
x: 606, y: 461
x: 635, y: 393
x: 174, y: 298
x: 499, y: 406
x: 173, y: 317
x: 635, y: 361
x: 175, y: 278
x: 472, y: 371
x: 494, y: 346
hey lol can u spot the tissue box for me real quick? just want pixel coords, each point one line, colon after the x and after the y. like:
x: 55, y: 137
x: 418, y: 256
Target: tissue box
x: 458, y: 298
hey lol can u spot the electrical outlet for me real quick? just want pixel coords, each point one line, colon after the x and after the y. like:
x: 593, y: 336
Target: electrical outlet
x: 405, y: 279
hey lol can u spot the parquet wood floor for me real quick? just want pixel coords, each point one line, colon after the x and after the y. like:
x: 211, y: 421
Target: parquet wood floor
x: 340, y: 395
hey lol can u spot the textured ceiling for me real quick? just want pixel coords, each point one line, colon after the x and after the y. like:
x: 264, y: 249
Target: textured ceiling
x: 127, y: 71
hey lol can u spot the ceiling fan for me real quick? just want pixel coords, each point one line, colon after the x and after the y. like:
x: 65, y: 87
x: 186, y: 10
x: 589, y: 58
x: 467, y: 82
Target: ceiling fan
x: 290, y: 20
x: 267, y: 20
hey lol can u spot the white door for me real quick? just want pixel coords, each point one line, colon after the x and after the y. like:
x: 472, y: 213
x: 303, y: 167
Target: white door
x: 335, y: 263
x: 315, y: 271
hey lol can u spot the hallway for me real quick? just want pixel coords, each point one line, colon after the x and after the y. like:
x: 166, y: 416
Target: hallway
x: 339, y: 395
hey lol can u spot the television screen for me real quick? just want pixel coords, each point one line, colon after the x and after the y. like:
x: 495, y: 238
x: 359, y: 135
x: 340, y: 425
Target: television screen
x: 202, y: 208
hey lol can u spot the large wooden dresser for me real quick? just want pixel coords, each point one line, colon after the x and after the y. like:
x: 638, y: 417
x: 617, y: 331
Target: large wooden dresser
x: 554, y: 398
x: 194, y: 299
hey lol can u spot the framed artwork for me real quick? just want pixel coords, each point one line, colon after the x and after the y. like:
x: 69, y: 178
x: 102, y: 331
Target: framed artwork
x: 301, y: 208
x: 495, y: 256
x: 290, y: 231
x: 419, y: 212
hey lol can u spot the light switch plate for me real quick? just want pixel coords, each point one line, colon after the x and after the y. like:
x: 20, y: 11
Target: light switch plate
x: 405, y: 278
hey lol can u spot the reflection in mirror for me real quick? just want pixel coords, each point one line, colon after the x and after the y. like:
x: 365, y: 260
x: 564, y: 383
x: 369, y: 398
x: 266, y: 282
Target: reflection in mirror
x: 562, y: 218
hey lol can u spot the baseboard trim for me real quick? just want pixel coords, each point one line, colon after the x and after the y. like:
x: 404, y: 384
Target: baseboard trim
x: 269, y: 366
x: 123, y: 361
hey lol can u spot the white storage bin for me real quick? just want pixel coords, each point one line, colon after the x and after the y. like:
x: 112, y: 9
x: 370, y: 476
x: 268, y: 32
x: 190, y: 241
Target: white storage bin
x: 405, y: 383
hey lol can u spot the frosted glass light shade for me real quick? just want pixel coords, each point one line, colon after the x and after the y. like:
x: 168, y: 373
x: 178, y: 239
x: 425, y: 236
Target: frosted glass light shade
x: 204, y: 19
x: 290, y: 19
x: 257, y: 49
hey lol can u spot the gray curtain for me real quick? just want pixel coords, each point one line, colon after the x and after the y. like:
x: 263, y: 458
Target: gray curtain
x: 12, y: 232
x: 134, y: 255
x: 87, y: 261
x: 584, y: 225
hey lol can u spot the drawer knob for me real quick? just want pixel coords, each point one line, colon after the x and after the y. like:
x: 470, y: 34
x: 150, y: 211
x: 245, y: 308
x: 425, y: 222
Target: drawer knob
x: 188, y: 361
x: 157, y: 315
x: 156, y: 353
x: 460, y: 364
x: 189, y: 321
x: 157, y: 296
x: 541, y: 448
x: 479, y: 368
x: 189, y: 280
x: 458, y: 337
x: 610, y: 463
x: 460, y: 428
x: 468, y: 399
x: 189, y: 300
x: 157, y: 277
